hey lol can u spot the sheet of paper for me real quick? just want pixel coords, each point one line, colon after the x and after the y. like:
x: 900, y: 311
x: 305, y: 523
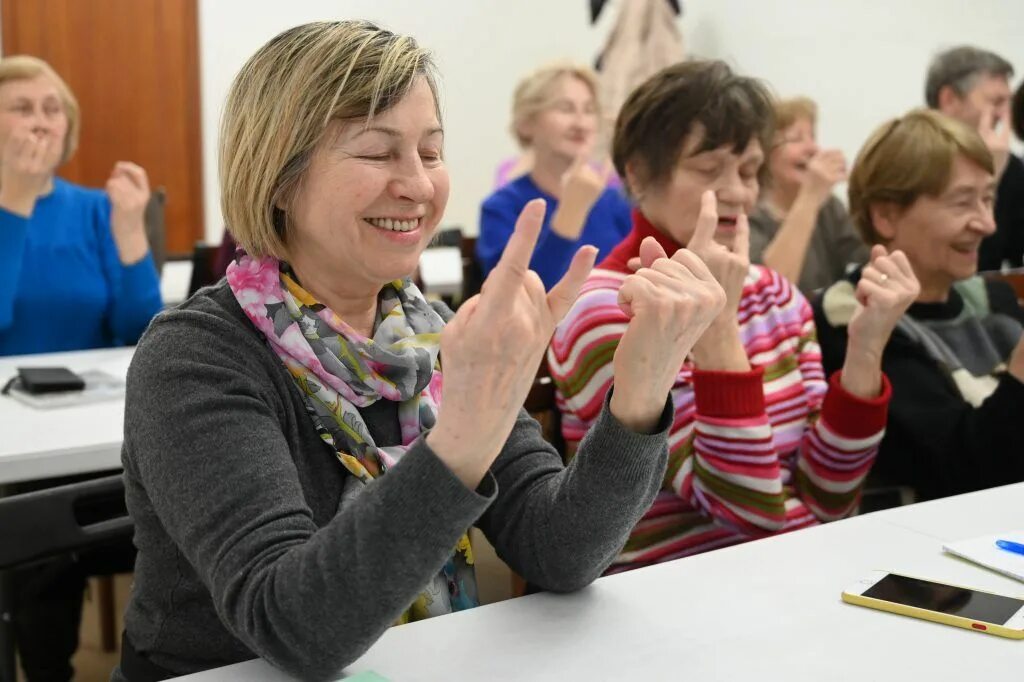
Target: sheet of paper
x: 983, y: 551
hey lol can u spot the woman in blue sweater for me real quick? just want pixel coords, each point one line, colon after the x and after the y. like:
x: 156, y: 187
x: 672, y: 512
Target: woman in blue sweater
x: 75, y: 266
x: 75, y: 273
x: 555, y: 113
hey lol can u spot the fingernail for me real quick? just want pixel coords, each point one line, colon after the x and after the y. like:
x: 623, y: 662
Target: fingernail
x: 537, y: 206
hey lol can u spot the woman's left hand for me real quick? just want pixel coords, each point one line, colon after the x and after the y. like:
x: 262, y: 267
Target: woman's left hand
x: 720, y: 347
x: 128, y: 189
x: 491, y: 349
x: 887, y: 287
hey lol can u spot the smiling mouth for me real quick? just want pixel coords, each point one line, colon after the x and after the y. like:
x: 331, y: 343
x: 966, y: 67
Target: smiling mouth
x: 395, y: 224
x: 727, y: 222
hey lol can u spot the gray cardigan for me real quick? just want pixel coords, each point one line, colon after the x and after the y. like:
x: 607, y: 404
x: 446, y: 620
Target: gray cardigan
x: 254, y: 541
x: 834, y: 245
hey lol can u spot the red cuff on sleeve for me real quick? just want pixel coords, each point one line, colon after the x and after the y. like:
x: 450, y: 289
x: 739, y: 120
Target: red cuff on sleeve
x: 729, y: 394
x: 852, y: 416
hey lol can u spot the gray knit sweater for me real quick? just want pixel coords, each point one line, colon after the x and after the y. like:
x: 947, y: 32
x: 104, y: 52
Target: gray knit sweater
x: 254, y: 541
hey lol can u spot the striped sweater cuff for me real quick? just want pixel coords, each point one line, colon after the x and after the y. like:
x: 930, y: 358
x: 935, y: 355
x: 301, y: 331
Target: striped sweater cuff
x: 852, y: 416
x: 729, y: 394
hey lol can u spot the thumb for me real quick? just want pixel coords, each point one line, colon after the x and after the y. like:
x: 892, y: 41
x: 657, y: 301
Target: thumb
x: 463, y: 315
x: 650, y: 251
x: 877, y: 251
x: 563, y: 295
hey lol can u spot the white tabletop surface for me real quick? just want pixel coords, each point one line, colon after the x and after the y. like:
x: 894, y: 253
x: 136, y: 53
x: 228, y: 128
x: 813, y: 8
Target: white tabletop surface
x: 441, y: 270
x: 769, y: 610
x: 37, y: 444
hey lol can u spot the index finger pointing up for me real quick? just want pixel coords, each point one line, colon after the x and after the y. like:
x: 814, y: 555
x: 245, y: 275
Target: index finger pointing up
x: 741, y: 244
x: 707, y: 221
x: 515, y: 260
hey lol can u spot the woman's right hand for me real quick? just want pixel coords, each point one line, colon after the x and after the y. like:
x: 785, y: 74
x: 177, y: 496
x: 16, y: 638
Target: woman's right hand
x: 825, y: 170
x: 582, y: 186
x: 670, y: 303
x: 25, y: 170
x: 491, y: 349
x: 720, y: 348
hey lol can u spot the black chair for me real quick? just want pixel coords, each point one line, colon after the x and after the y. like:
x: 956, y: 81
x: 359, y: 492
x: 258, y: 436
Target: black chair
x: 472, y: 273
x: 879, y: 494
x: 156, y: 231
x: 43, y: 524
x: 204, y: 261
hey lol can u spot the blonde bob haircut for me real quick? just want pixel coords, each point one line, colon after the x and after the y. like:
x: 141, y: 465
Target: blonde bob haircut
x: 535, y: 93
x: 906, y: 158
x: 23, y: 67
x: 282, y: 103
x: 792, y: 109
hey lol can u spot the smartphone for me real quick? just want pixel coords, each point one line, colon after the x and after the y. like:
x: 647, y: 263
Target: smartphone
x: 963, y: 607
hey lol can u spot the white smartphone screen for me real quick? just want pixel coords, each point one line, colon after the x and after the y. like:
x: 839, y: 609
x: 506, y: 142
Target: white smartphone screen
x: 955, y: 601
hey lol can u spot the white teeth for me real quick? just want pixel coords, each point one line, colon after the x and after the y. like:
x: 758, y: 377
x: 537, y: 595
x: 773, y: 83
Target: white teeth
x: 393, y: 225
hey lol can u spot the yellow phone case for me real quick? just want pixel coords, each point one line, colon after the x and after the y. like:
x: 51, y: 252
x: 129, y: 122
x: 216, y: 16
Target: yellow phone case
x: 935, y: 616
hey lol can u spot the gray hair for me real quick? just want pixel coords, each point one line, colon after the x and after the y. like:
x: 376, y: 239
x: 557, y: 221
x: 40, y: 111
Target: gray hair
x: 960, y: 68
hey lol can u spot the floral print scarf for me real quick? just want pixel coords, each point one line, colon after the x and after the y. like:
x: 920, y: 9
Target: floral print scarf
x: 338, y: 370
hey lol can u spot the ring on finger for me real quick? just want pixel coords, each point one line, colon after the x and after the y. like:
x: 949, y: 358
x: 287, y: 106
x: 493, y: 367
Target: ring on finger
x: 883, y: 278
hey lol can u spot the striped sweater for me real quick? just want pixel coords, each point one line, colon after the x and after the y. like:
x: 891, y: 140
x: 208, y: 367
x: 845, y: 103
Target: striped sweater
x: 750, y: 453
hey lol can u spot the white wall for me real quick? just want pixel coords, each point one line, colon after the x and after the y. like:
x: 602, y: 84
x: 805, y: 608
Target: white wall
x: 862, y: 60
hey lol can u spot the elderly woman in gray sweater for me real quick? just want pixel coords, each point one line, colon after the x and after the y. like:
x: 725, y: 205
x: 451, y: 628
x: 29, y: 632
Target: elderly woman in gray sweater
x: 300, y: 475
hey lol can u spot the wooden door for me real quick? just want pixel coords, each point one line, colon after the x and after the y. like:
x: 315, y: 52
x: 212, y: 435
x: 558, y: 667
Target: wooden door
x: 134, y: 68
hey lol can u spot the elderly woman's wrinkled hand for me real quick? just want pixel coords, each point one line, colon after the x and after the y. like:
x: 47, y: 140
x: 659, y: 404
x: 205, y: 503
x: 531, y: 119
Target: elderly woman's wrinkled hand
x: 25, y: 169
x: 128, y: 189
x: 720, y: 348
x: 491, y: 349
x: 887, y: 287
x: 670, y: 303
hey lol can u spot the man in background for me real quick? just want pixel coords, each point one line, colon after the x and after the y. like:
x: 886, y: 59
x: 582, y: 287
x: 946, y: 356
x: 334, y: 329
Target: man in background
x: 973, y: 86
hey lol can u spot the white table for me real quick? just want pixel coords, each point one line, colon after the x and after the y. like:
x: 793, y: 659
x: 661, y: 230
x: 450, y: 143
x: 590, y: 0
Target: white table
x: 36, y: 444
x: 175, y: 279
x: 764, y: 610
x: 441, y: 270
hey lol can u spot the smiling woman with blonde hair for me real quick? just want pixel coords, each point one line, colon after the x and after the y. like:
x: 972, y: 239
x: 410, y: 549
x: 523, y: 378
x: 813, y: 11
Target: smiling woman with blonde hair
x: 308, y: 442
x: 556, y: 115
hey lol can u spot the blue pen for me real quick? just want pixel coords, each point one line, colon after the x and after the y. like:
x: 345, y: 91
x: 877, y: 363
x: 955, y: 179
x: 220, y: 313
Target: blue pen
x: 1015, y: 547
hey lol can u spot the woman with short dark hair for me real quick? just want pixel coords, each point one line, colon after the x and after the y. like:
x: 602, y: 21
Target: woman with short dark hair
x: 761, y: 442
x: 308, y: 442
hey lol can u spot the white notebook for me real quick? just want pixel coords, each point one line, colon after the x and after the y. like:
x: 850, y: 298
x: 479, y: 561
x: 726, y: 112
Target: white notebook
x: 983, y: 551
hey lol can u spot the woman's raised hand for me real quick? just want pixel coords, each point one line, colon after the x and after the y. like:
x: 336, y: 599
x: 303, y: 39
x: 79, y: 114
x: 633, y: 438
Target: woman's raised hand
x: 670, y: 303
x: 128, y: 189
x: 491, y: 349
x: 25, y: 169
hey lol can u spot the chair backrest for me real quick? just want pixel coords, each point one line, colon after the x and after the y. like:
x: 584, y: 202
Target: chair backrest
x: 540, y: 403
x: 203, y: 267
x: 1015, y: 278
x: 156, y: 232
x: 54, y: 521
x: 472, y: 273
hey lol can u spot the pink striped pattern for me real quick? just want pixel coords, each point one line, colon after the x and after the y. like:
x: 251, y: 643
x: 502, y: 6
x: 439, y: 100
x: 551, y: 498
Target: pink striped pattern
x: 750, y: 454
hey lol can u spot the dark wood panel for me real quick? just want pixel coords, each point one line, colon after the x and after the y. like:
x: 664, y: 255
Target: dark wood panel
x: 134, y: 67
